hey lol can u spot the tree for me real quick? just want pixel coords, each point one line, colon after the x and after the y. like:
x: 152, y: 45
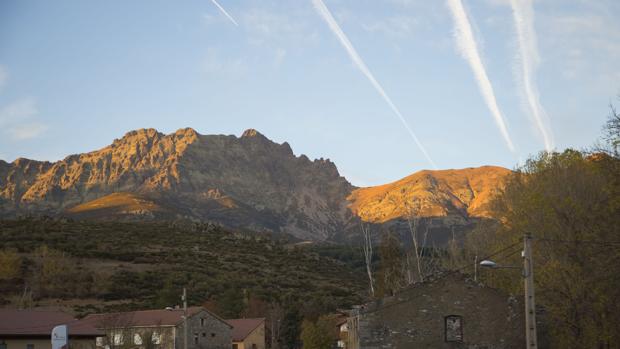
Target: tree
x: 569, y: 202
x: 611, y: 132
x: 10, y: 264
x: 319, y: 334
x: 392, y: 266
x: 368, y: 256
x: 53, y: 271
x: 418, y: 230
x: 169, y: 295
x: 289, y: 328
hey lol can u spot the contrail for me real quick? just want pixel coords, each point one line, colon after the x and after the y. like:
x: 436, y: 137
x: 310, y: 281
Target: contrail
x: 335, y: 28
x: 225, y: 13
x: 527, y: 60
x: 468, y: 48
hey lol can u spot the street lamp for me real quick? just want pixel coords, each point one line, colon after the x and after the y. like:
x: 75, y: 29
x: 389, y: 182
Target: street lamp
x: 528, y: 284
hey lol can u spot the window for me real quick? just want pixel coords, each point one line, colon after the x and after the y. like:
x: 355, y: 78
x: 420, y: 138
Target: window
x: 212, y: 334
x: 117, y: 339
x: 235, y: 346
x: 202, y: 321
x: 156, y: 338
x: 204, y: 334
x: 29, y: 346
x: 195, y: 338
x: 99, y: 341
x: 137, y: 340
x: 453, y: 328
x: 253, y: 346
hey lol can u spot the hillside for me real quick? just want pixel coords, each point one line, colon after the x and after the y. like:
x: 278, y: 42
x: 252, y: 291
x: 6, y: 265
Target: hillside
x: 94, y: 266
x: 247, y: 182
x: 441, y: 193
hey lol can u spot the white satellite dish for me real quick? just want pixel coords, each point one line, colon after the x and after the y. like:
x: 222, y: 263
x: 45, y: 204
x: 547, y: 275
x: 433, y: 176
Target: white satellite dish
x: 60, y: 337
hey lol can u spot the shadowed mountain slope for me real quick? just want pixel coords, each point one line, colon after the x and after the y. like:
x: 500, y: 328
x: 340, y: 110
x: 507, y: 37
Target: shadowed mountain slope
x: 246, y: 182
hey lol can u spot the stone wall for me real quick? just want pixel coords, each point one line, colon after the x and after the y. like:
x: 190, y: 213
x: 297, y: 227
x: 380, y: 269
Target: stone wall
x: 416, y: 318
x: 205, y: 331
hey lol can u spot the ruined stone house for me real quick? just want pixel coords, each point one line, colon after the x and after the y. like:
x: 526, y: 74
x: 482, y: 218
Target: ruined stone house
x: 448, y: 312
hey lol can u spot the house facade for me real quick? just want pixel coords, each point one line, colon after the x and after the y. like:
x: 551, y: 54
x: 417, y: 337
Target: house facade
x: 32, y: 329
x: 248, y: 333
x: 162, y: 329
x: 342, y: 330
x: 449, y: 312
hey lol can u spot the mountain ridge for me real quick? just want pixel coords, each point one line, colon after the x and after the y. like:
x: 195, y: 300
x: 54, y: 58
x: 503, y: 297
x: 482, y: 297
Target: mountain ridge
x: 247, y: 182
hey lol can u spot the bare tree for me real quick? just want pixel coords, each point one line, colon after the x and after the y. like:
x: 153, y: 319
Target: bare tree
x: 275, y: 314
x: 366, y: 234
x: 413, y: 221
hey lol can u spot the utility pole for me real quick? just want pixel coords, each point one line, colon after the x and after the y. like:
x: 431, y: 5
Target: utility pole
x: 184, y: 299
x: 530, y: 306
x: 476, y: 268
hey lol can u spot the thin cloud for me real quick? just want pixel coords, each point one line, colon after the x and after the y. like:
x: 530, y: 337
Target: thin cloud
x: 324, y: 12
x: 467, y: 46
x: 225, y: 13
x: 26, y: 131
x: 16, y: 120
x: 18, y: 111
x: 527, y: 60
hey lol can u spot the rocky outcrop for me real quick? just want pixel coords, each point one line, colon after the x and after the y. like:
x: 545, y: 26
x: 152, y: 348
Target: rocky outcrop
x: 246, y: 182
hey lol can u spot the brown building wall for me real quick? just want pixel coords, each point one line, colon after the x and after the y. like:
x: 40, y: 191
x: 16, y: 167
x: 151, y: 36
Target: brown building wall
x: 165, y: 333
x: 256, y: 337
x: 204, y: 332
x: 39, y: 343
x: 416, y: 317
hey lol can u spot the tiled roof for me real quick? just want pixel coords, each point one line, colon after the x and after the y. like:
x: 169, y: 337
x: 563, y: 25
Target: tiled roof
x: 14, y: 322
x: 157, y: 317
x: 243, y: 327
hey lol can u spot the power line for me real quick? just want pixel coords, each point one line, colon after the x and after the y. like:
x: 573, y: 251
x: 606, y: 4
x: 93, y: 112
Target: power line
x: 598, y: 242
x: 468, y: 265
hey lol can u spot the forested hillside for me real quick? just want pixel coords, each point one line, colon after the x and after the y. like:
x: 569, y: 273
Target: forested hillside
x: 89, y: 267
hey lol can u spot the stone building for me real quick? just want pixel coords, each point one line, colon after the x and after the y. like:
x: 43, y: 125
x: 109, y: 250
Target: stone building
x: 32, y: 329
x: 162, y: 329
x: 448, y: 312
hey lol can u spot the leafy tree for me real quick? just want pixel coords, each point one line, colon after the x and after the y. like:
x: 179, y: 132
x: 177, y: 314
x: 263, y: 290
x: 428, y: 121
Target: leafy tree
x: 319, y: 334
x: 569, y: 202
x: 290, y: 328
x: 10, y: 264
x: 391, y: 276
x: 169, y: 295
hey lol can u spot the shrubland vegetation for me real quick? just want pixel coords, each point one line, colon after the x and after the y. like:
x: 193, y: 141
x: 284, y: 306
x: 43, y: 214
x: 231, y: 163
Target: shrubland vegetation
x: 123, y: 266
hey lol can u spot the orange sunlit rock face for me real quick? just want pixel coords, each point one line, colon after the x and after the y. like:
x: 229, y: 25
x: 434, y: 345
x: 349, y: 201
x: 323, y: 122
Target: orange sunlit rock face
x: 430, y: 194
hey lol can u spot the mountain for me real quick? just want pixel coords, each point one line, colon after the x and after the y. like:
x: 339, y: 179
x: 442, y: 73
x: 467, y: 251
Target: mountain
x: 246, y: 182
x: 426, y: 193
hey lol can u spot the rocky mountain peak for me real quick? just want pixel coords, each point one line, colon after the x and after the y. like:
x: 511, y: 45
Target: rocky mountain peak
x: 250, y: 132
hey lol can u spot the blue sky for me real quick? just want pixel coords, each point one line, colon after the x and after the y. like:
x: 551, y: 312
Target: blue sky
x: 76, y: 74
